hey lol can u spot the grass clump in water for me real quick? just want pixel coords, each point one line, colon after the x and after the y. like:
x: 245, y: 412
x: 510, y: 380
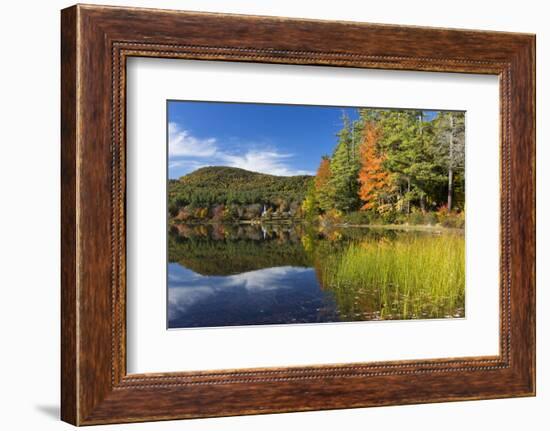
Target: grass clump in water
x: 410, y: 277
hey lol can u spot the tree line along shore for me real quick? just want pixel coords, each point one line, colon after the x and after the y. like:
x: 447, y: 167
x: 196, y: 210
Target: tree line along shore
x: 388, y: 167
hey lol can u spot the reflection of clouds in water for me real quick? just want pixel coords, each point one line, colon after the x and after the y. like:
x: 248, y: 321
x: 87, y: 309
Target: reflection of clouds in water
x: 186, y: 287
x: 178, y: 275
x: 263, y: 279
x: 180, y: 299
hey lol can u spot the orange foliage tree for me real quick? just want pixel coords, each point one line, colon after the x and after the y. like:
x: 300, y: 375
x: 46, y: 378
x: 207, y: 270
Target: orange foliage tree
x: 373, y: 179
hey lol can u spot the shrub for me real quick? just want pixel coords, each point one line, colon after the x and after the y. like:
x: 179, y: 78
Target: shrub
x: 357, y: 217
x: 389, y: 217
x: 450, y: 219
x: 430, y: 218
x: 416, y: 217
x: 331, y: 217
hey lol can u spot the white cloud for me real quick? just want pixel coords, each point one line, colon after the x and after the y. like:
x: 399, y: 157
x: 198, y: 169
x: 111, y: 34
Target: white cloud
x: 265, y: 161
x: 264, y: 279
x: 188, y: 153
x: 187, y: 165
x: 181, y: 143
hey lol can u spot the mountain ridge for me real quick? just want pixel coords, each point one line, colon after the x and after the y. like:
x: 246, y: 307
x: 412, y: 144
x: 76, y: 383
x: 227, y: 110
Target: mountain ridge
x: 231, y: 171
x: 212, y: 186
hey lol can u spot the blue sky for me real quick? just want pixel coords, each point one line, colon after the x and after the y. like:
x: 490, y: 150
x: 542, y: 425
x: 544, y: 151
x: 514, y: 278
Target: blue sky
x: 272, y: 139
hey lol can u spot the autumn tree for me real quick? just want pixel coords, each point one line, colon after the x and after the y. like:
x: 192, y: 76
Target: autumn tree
x: 310, y: 205
x: 323, y: 186
x: 393, y: 161
x: 374, y: 181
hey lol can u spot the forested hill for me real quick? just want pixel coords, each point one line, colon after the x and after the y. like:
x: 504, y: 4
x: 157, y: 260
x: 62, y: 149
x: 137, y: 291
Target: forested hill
x: 232, y: 192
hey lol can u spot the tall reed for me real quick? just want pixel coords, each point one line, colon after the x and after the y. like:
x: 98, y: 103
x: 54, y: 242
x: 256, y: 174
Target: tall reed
x: 413, y: 276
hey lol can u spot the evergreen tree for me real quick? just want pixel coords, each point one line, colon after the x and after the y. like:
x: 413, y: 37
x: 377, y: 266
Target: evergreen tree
x: 450, y: 142
x: 398, y: 159
x: 405, y: 141
x: 344, y: 169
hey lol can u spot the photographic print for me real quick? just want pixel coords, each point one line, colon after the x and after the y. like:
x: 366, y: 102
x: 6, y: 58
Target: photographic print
x: 295, y: 214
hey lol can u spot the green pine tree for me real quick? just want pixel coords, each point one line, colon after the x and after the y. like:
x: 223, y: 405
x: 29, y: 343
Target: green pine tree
x: 345, y: 169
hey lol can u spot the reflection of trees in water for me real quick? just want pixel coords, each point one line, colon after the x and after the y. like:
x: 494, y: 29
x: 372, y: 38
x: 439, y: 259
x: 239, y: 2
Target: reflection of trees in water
x: 307, y: 234
x: 233, y: 249
x: 223, y: 249
x: 255, y: 232
x: 339, y: 257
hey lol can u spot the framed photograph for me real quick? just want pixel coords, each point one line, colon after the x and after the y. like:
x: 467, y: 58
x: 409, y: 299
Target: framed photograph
x: 264, y: 214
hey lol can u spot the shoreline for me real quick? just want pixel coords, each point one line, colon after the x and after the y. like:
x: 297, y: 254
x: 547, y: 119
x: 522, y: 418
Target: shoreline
x: 405, y: 227
x: 418, y: 227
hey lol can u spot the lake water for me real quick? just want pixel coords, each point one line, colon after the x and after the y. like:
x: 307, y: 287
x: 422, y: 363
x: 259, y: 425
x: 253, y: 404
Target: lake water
x: 228, y: 275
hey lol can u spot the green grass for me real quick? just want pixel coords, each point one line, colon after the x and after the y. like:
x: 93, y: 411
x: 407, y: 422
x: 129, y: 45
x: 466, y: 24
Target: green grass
x: 414, y: 276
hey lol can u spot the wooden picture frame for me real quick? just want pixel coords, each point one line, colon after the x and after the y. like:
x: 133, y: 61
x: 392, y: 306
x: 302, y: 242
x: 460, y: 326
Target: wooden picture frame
x: 95, y: 43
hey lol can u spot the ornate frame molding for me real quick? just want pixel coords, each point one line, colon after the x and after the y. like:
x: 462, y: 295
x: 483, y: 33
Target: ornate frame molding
x: 96, y: 41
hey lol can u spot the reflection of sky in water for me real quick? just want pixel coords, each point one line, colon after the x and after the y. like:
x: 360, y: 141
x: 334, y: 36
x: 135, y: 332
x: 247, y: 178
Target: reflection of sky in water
x: 278, y: 295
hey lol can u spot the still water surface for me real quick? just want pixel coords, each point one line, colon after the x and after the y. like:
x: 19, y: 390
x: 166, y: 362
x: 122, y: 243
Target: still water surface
x: 228, y: 275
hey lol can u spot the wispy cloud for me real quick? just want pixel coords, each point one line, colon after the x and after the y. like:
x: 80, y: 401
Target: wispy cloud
x: 188, y: 153
x: 181, y: 143
x: 265, y: 161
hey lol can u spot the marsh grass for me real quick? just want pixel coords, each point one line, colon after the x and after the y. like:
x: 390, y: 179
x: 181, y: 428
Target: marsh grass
x: 412, y: 277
